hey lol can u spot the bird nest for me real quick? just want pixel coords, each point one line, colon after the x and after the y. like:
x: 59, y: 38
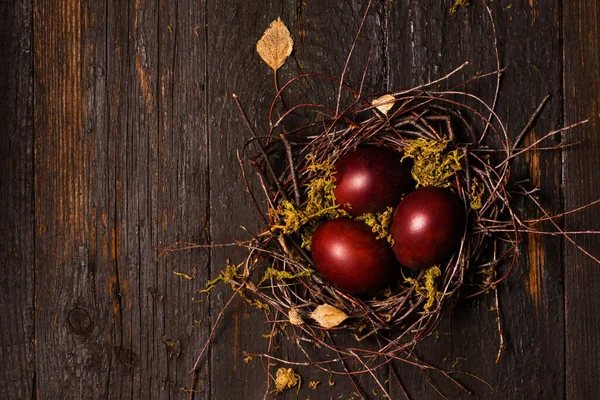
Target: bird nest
x: 447, y: 140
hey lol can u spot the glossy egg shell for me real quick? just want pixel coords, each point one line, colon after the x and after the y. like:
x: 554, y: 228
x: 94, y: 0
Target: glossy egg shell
x: 427, y: 227
x: 348, y: 254
x: 370, y: 179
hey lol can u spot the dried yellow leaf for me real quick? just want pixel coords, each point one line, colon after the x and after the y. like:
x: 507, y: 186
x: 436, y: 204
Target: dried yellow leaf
x: 275, y: 45
x: 328, y: 316
x: 294, y: 317
x: 286, y: 378
x: 384, y: 103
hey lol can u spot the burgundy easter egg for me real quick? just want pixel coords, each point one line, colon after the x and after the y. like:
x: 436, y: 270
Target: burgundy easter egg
x: 348, y: 254
x: 427, y: 227
x: 370, y: 179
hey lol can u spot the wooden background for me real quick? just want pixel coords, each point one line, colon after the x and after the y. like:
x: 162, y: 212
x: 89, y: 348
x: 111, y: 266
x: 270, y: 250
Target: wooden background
x: 118, y: 135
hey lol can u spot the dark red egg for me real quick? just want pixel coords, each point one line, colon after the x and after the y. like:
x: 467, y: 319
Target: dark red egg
x: 370, y: 179
x: 348, y: 254
x: 427, y: 227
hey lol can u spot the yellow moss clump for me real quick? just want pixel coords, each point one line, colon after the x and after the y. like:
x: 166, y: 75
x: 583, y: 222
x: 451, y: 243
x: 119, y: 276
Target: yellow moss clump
x: 380, y: 224
x: 476, y: 194
x: 429, y: 288
x: 229, y: 273
x: 489, y: 274
x: 280, y: 275
x: 320, y: 204
x: 286, y: 378
x: 433, y: 166
x: 307, y: 236
x: 292, y: 218
x: 459, y: 3
x: 259, y: 305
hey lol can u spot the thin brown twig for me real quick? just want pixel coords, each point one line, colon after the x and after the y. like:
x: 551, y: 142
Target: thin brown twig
x: 531, y: 121
x: 343, y: 74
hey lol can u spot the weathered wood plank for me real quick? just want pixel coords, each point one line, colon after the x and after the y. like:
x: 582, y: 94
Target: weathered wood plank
x: 119, y: 162
x: 69, y: 312
x: 182, y: 191
x: 581, y: 57
x: 121, y: 356
x: 426, y: 42
x: 17, y: 260
x: 233, y: 67
x: 160, y: 195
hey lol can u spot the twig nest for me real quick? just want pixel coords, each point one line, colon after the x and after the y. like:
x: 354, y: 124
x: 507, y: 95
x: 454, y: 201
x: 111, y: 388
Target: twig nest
x: 417, y: 154
x: 452, y: 161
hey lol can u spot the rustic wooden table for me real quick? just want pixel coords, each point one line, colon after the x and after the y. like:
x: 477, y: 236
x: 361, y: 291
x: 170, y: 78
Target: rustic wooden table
x: 119, y: 135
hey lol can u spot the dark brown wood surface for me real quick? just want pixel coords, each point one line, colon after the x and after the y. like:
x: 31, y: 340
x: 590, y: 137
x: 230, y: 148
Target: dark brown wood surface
x: 119, y: 136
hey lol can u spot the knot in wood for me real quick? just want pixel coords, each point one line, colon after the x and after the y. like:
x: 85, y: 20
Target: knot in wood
x: 80, y: 320
x: 125, y: 356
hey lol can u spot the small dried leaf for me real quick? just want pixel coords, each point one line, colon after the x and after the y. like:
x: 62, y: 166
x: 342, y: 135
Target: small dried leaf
x: 275, y: 45
x: 286, y: 378
x: 384, y: 103
x: 328, y: 316
x: 294, y: 317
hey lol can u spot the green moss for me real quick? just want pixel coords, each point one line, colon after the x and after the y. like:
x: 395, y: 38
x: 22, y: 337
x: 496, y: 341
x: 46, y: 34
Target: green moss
x: 320, y: 204
x: 380, y: 224
x: 281, y: 275
x: 307, y: 235
x: 228, y: 274
x: 428, y: 288
x: 459, y: 3
x: 476, y: 194
x: 433, y: 165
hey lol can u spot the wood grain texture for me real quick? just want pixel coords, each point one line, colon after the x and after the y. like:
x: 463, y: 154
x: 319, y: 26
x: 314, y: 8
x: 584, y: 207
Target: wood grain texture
x: 119, y: 136
x: 160, y: 196
x: 183, y: 188
x: 17, y: 374
x: 120, y: 167
x: 242, y: 73
x: 67, y: 310
x: 581, y: 56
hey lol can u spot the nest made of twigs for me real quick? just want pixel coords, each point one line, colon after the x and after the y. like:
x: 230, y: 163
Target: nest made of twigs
x: 287, y: 163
